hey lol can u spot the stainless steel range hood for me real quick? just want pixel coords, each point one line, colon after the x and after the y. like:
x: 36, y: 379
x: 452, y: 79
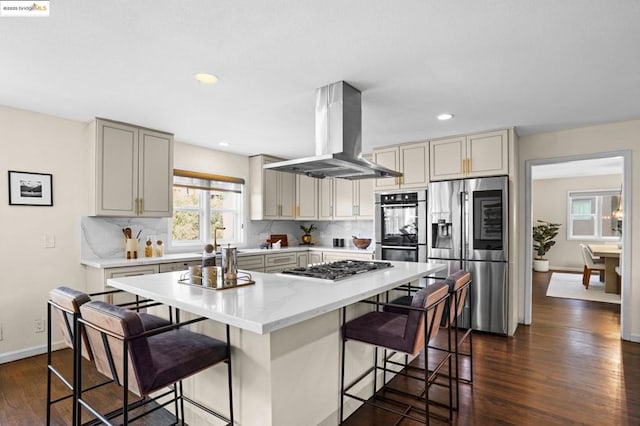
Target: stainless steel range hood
x: 338, y: 139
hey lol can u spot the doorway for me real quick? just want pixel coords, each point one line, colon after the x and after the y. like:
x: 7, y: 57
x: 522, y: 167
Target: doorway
x: 532, y: 166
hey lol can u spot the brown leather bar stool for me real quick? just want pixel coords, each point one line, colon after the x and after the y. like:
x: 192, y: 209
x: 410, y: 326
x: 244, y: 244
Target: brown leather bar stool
x: 145, y: 362
x: 64, y: 303
x: 400, y: 333
x: 459, y: 285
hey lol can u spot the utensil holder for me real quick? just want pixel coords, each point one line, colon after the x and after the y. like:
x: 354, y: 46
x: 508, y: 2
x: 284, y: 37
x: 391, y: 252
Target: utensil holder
x: 131, y: 248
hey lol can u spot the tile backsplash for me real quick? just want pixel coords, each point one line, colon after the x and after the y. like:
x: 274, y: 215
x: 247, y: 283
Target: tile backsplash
x: 102, y: 238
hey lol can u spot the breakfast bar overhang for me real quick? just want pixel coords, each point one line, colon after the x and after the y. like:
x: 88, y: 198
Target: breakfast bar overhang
x: 285, y: 337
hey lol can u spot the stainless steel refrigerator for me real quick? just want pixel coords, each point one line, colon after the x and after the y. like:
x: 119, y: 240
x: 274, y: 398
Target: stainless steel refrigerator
x: 467, y: 229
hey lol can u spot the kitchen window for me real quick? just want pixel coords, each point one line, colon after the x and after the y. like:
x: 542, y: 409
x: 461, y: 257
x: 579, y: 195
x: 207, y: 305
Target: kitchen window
x: 590, y: 217
x: 204, y: 204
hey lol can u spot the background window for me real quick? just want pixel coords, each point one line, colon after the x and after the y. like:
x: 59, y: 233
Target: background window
x: 204, y: 204
x: 590, y: 215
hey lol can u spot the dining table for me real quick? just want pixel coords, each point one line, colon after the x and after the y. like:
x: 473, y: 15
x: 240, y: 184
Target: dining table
x: 611, y: 255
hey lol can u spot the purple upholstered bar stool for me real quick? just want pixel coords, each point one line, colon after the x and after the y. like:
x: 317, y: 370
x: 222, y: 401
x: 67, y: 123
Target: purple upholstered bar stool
x: 400, y: 332
x: 65, y: 303
x: 145, y: 362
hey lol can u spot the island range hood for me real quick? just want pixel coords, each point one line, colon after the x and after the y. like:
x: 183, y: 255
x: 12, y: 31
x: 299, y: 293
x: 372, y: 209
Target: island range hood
x: 338, y: 139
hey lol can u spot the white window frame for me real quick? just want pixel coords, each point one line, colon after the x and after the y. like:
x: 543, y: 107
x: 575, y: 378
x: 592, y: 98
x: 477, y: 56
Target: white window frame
x: 205, y: 212
x: 597, y: 195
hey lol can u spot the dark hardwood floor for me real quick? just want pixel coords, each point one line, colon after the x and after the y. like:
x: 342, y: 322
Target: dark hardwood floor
x: 568, y: 367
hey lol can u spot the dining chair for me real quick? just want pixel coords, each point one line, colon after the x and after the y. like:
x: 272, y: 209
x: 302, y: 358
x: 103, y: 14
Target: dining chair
x: 400, y: 333
x: 589, y: 266
x: 148, y: 361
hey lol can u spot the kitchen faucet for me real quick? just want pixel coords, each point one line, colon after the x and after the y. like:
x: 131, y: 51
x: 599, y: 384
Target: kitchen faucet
x: 216, y: 228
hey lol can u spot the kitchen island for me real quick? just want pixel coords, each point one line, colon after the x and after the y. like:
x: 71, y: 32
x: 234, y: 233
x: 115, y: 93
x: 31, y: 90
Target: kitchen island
x: 285, y: 334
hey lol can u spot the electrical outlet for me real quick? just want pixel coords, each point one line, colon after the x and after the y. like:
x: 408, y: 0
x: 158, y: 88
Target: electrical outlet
x: 38, y: 325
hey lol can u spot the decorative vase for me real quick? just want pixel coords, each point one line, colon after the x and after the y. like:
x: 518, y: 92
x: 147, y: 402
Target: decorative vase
x: 540, y: 265
x: 306, y: 239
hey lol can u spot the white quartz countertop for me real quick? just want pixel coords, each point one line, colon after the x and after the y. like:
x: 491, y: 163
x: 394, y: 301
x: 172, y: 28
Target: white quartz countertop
x: 276, y: 300
x: 183, y: 257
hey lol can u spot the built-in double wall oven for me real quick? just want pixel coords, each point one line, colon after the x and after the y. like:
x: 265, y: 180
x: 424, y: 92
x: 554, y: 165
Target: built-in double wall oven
x: 401, y: 226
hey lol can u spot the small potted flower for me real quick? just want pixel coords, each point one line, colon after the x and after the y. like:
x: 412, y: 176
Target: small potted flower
x: 306, y: 238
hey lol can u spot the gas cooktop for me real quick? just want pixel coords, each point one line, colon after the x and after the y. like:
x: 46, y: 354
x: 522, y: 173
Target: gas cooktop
x: 338, y: 270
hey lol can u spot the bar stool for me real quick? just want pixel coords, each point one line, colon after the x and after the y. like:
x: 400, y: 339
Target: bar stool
x: 145, y: 362
x: 459, y: 284
x: 65, y: 303
x: 400, y: 333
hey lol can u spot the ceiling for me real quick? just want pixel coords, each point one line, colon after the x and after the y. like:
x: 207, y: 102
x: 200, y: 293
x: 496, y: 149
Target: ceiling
x: 538, y: 66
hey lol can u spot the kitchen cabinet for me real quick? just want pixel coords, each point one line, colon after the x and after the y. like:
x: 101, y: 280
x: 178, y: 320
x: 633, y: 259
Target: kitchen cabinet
x: 133, y: 172
x: 475, y: 155
x: 272, y: 193
x: 303, y: 259
x: 178, y: 266
x: 333, y: 256
x: 315, y: 257
x: 325, y: 199
x: 306, y: 198
x: 277, y: 262
x: 251, y: 263
x: 96, y: 280
x: 411, y: 159
x: 343, y: 199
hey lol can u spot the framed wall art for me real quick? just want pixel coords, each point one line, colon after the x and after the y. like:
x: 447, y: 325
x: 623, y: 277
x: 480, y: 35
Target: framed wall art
x: 30, y: 189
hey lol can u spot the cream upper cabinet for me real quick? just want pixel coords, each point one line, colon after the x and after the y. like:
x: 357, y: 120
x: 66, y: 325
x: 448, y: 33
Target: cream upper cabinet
x: 364, y: 199
x: 411, y: 159
x: 306, y: 197
x: 133, y: 170
x: 344, y: 195
x: 325, y: 199
x: 389, y: 158
x: 343, y: 199
x: 480, y: 154
x: 272, y: 193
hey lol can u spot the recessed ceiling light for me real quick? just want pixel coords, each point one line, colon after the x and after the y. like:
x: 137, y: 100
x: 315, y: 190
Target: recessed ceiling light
x: 445, y: 116
x: 223, y: 143
x: 203, y: 77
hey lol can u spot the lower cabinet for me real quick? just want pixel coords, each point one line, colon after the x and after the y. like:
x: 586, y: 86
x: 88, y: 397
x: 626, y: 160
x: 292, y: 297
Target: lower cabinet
x: 303, y: 259
x: 280, y: 261
x: 251, y: 263
x: 178, y: 266
x: 315, y: 257
x: 96, y: 279
x: 333, y: 256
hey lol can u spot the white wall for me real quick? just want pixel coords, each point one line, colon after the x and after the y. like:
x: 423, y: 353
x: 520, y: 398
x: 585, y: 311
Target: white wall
x: 41, y: 143
x: 590, y: 140
x: 549, y: 201
x: 35, y: 142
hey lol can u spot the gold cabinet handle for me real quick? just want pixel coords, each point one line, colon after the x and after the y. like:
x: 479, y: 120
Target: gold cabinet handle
x: 141, y: 208
x: 464, y: 165
x: 298, y: 211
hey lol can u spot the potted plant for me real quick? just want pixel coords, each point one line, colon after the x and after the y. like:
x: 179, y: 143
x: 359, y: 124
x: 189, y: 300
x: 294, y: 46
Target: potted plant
x: 543, y: 235
x: 306, y: 238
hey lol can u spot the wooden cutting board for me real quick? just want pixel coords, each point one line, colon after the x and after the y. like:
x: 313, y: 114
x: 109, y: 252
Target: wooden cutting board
x: 279, y: 237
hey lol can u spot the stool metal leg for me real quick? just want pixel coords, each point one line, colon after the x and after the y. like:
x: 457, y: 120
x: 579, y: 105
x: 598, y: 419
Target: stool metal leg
x: 344, y: 340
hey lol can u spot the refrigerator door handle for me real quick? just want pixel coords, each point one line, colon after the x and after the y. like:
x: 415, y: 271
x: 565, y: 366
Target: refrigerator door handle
x: 464, y: 217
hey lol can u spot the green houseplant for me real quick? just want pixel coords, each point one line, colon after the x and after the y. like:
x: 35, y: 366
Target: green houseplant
x: 306, y: 238
x: 543, y: 239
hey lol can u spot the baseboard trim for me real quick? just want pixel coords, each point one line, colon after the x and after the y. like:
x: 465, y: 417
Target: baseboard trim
x: 565, y: 269
x: 29, y: 352
x: 634, y: 338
